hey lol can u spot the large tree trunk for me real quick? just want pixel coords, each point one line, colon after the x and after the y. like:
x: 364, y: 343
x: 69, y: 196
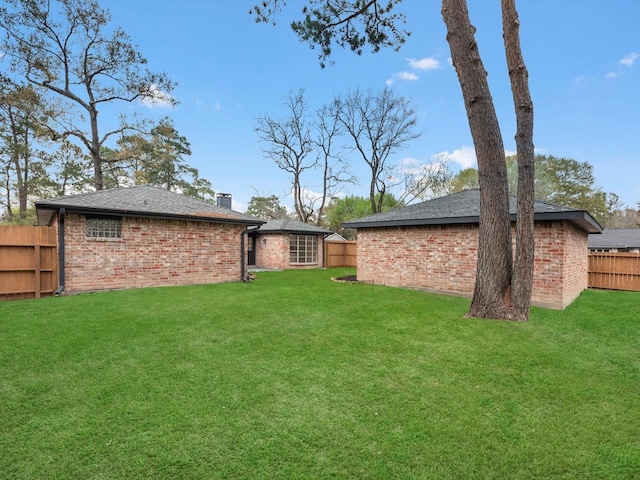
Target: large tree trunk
x: 492, y: 293
x: 372, y: 187
x: 94, y: 148
x: 7, y: 185
x: 523, y: 269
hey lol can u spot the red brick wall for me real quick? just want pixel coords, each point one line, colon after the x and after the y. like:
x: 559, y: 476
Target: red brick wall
x: 151, y: 252
x: 576, y: 265
x: 272, y: 251
x: 443, y: 259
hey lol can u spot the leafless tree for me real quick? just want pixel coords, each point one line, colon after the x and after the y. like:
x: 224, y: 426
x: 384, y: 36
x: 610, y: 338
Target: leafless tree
x: 378, y: 124
x: 291, y: 146
x: 426, y: 180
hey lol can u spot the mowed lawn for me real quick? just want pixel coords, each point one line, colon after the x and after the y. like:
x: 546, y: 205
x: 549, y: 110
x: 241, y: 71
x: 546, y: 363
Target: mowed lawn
x: 296, y: 376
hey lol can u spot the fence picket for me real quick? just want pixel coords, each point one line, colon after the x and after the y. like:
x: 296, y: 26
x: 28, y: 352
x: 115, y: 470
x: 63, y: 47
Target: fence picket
x: 614, y: 270
x: 340, y: 254
x: 28, y: 262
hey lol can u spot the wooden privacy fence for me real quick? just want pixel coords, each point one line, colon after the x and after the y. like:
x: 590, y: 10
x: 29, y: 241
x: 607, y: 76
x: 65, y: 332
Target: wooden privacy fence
x: 28, y: 262
x: 616, y: 271
x: 340, y: 254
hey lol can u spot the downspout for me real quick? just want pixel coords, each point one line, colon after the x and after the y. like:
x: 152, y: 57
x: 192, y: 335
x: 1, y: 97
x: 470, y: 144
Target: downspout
x: 61, y: 258
x: 324, y: 245
x: 243, y: 237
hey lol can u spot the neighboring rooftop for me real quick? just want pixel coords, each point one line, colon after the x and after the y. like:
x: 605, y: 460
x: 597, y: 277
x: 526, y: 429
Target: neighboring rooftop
x: 335, y: 237
x: 291, y: 226
x: 464, y: 207
x: 616, y: 238
x: 141, y: 201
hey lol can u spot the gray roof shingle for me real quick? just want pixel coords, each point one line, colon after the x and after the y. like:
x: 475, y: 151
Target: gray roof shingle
x: 145, y: 201
x: 292, y: 226
x: 464, y: 207
x: 616, y: 238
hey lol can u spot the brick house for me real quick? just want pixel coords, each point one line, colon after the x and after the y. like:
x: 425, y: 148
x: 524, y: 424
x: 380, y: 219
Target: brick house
x: 144, y: 236
x: 287, y: 243
x: 433, y: 245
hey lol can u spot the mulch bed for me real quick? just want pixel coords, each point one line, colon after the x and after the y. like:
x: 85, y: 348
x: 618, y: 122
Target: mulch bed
x: 346, y: 278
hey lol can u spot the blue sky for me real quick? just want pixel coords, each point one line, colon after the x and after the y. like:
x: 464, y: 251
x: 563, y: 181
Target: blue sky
x: 583, y: 58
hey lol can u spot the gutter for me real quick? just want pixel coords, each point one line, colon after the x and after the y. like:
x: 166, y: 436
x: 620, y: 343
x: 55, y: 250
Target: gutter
x: 243, y: 237
x: 61, y: 256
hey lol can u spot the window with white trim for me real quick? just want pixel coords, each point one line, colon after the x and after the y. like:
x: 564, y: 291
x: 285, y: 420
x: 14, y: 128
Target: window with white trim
x: 104, y: 227
x: 303, y: 248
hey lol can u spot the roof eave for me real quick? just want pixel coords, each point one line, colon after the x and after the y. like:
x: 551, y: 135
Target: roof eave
x: 142, y: 214
x: 298, y: 232
x: 412, y: 222
x: 580, y: 217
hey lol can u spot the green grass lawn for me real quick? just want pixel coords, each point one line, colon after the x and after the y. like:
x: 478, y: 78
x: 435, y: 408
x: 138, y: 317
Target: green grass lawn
x: 296, y: 376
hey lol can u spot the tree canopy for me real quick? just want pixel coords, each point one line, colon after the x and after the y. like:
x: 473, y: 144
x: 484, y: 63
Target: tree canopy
x: 64, y: 63
x: 352, y: 207
x: 266, y: 208
x: 559, y: 180
x: 69, y: 49
x: 158, y: 158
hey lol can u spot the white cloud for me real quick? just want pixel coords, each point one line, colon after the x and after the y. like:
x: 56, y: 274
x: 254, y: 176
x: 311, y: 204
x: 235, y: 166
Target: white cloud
x: 612, y: 75
x: 159, y: 99
x: 238, y: 206
x: 311, y: 196
x: 581, y: 80
x: 406, y: 76
x: 424, y: 64
x: 428, y: 63
x: 407, y: 161
x: 629, y: 59
x: 309, y: 199
x: 464, y: 156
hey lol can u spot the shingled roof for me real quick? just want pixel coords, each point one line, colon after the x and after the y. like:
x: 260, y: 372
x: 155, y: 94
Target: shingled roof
x: 142, y: 201
x: 464, y: 207
x: 289, y: 225
x: 616, y: 238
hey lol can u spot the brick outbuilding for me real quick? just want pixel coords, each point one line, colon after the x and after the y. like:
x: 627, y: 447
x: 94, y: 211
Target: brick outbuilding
x: 144, y: 236
x: 286, y: 243
x: 433, y: 246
